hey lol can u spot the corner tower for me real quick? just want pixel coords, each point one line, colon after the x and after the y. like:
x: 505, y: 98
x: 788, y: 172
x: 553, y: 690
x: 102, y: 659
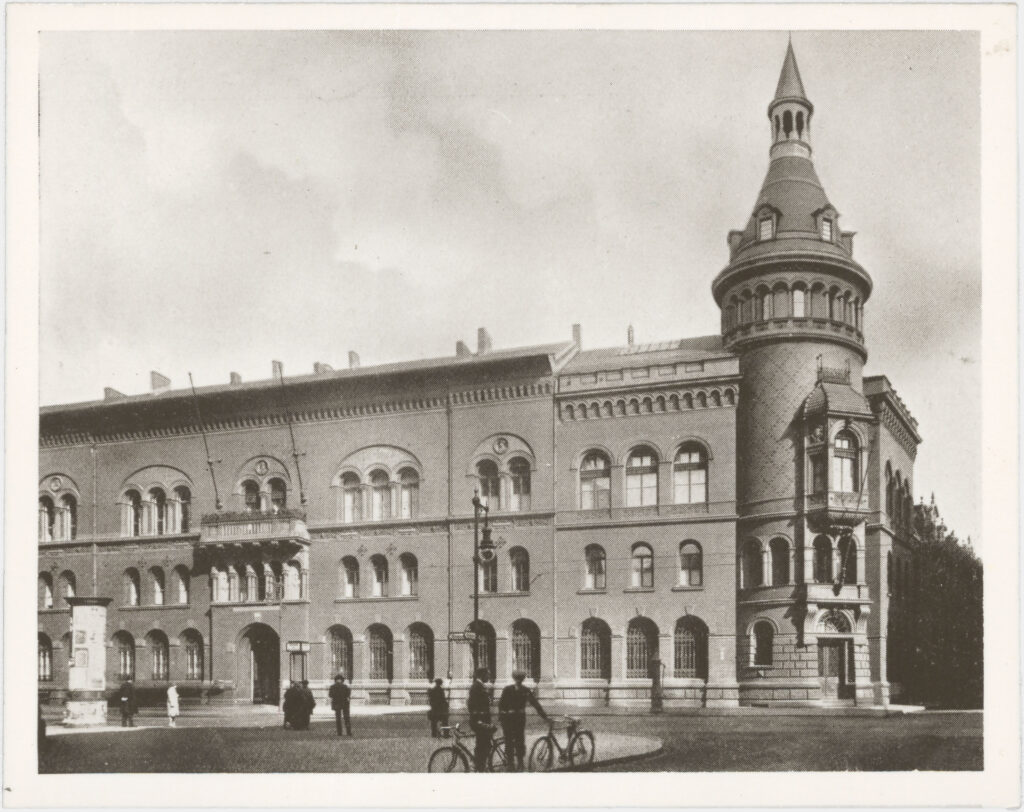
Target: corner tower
x: 792, y: 300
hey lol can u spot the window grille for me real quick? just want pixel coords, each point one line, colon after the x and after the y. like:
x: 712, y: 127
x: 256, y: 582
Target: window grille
x: 380, y: 656
x: 639, y: 649
x: 160, y: 665
x: 595, y: 657
x: 193, y: 659
x: 45, y: 666
x: 125, y: 660
x: 485, y: 649
x: 341, y: 653
x: 420, y: 659
x: 596, y: 578
x: 685, y: 651
x: 525, y: 654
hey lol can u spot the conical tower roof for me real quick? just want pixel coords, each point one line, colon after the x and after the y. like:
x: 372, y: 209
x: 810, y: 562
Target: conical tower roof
x: 790, y: 85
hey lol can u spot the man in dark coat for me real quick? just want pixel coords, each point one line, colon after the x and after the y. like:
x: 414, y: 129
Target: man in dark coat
x: 307, y: 705
x: 292, y: 702
x: 126, y: 699
x: 512, y: 712
x: 438, y: 713
x: 479, y: 707
x: 341, y: 696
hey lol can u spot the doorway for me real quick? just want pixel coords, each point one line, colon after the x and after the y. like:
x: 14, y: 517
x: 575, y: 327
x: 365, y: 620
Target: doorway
x: 260, y: 664
x: 835, y: 667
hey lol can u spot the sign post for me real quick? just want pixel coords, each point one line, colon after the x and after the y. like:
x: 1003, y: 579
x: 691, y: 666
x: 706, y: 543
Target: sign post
x: 86, y: 705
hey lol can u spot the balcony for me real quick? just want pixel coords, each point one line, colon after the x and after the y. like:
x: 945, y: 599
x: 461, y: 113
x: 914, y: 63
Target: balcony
x: 836, y: 508
x: 268, y: 527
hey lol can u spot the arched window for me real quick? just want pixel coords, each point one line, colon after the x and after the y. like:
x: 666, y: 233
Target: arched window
x: 819, y: 302
x: 890, y: 487
x: 379, y: 567
x: 844, y: 463
x: 158, y: 512
x: 251, y: 492
x: 380, y: 652
x: 690, y: 646
x: 421, y: 652
x: 410, y: 574
x: 691, y: 565
x: 349, y: 572
x: 595, y: 650
x: 780, y: 301
x: 66, y: 587
x: 643, y: 566
x: 182, y: 583
x: 45, y: 663
x: 595, y: 482
x: 134, y: 502
x: 341, y: 651
x: 690, y: 475
x: 69, y: 517
x: 293, y: 582
x: 764, y: 639
x: 47, y: 519
x: 848, y: 560
x: 352, y: 497
x: 751, y: 565
x: 490, y: 484
x: 764, y: 232
x: 595, y: 577
x: 526, y: 648
x: 489, y: 575
x: 486, y: 647
x: 184, y: 499
x: 278, y: 495
x: 519, y: 569
x: 156, y: 579
x: 823, y: 560
x: 642, y: 477
x: 125, y: 645
x: 380, y: 496
x: 641, y: 647
x: 409, y: 495
x: 799, y: 303
x: 520, y: 495
x: 192, y: 642
x: 45, y: 590
x: 159, y: 650
x: 130, y: 587
x: 779, y: 549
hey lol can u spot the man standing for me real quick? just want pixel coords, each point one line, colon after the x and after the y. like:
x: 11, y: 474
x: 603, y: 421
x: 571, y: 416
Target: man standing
x: 341, y: 696
x: 292, y: 702
x: 127, y: 702
x: 479, y: 707
x: 308, y: 703
x: 512, y: 712
x: 172, y: 705
x: 438, y: 714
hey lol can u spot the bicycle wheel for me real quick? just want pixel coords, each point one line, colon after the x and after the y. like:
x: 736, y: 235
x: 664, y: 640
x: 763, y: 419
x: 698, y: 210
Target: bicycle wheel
x: 542, y: 755
x: 447, y: 760
x: 581, y: 749
x: 496, y: 760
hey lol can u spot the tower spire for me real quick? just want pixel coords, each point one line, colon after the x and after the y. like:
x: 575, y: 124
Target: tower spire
x: 790, y: 111
x: 790, y: 85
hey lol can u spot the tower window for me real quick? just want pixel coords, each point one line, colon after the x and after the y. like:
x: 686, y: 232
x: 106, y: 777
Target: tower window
x: 826, y: 230
x: 764, y: 228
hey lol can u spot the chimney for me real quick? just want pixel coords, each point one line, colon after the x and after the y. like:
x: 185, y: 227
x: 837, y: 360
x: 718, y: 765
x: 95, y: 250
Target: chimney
x: 235, y: 379
x: 483, y: 341
x: 461, y: 350
x: 320, y: 369
x: 277, y: 369
x: 577, y: 336
x: 353, y: 359
x: 158, y: 382
x: 629, y: 335
x: 113, y: 394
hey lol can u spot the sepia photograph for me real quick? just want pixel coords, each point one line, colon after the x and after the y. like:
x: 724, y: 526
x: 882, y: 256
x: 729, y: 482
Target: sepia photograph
x: 443, y: 400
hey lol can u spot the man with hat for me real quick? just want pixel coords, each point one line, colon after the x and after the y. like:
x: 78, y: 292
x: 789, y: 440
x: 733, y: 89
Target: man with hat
x: 479, y: 706
x: 512, y: 712
x: 341, y: 696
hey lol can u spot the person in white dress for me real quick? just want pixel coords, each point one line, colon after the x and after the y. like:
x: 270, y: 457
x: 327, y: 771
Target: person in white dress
x: 172, y: 705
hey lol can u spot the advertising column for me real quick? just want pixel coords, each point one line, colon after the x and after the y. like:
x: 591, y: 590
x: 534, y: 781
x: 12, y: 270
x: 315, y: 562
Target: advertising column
x: 87, y: 704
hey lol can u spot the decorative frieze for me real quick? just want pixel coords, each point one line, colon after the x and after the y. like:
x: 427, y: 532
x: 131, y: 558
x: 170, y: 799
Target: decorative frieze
x: 646, y: 403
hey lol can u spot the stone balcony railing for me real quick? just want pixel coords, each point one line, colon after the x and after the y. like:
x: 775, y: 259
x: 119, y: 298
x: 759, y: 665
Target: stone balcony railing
x: 837, y: 508
x: 237, y: 528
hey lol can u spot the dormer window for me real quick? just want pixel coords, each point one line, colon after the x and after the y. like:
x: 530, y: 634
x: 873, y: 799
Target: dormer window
x: 826, y: 230
x: 765, y: 231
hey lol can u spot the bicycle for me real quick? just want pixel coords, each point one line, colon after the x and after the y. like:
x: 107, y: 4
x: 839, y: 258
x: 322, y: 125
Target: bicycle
x: 457, y: 758
x: 578, y: 752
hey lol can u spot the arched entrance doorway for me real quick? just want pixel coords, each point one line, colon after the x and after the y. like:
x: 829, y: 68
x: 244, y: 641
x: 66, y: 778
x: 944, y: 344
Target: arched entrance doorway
x: 259, y: 665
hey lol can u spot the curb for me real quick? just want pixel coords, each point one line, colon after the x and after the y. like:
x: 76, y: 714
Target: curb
x: 598, y: 763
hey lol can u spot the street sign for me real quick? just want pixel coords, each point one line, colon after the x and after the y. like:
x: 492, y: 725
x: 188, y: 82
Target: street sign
x: 296, y: 645
x: 462, y: 637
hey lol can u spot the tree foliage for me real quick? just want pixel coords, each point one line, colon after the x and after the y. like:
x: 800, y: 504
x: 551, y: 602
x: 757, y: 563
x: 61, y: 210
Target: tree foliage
x: 944, y: 626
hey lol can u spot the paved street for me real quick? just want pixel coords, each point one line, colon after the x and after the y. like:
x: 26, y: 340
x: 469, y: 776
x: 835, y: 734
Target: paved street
x: 255, y: 742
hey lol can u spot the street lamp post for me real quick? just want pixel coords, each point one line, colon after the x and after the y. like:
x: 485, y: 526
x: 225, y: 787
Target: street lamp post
x: 483, y: 551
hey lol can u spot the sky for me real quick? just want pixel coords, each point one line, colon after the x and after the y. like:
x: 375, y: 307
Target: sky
x: 211, y: 201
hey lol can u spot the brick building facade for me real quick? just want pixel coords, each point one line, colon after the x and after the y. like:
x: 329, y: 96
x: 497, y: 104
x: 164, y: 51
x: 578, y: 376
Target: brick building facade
x: 733, y: 510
